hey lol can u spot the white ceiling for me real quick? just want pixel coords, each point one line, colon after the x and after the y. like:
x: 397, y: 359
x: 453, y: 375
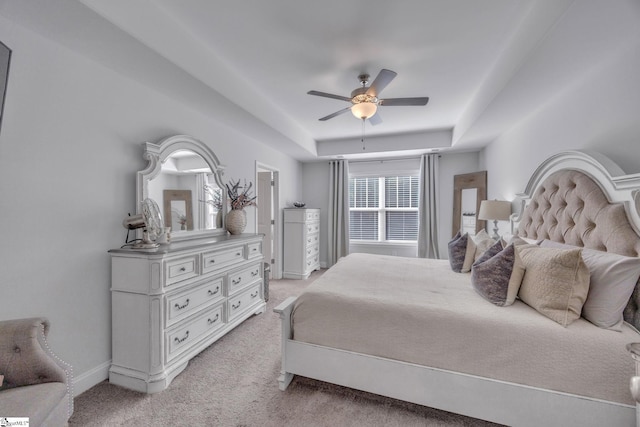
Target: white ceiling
x: 465, y: 55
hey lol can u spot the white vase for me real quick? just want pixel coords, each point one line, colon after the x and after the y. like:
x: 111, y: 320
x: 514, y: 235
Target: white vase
x: 236, y: 221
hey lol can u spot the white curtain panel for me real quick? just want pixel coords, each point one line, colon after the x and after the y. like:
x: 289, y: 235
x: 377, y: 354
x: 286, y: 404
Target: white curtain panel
x: 428, y: 207
x: 338, y: 222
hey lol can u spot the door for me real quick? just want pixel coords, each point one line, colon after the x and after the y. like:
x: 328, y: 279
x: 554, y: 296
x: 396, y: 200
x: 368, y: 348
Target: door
x: 265, y: 214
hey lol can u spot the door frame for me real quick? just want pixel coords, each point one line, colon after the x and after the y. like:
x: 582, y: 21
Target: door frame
x: 276, y: 267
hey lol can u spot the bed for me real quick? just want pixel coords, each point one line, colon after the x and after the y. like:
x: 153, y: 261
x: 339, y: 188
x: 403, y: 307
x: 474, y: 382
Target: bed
x: 416, y: 330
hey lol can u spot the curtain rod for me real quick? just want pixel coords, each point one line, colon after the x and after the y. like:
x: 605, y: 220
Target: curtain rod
x: 397, y: 159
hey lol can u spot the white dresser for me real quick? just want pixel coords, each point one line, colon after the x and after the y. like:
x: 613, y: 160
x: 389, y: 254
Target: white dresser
x: 301, y: 242
x: 170, y: 303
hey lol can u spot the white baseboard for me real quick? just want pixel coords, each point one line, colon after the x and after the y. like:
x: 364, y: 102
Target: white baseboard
x: 94, y: 376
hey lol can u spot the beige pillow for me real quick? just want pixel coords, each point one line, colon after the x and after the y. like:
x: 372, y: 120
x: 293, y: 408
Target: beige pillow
x: 555, y: 282
x: 613, y: 278
x: 469, y: 256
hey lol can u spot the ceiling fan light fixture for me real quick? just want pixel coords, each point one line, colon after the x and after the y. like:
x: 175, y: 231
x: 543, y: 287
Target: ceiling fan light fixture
x: 364, y: 110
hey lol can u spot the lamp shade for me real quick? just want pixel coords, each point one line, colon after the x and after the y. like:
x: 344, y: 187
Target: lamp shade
x: 499, y: 210
x: 364, y: 110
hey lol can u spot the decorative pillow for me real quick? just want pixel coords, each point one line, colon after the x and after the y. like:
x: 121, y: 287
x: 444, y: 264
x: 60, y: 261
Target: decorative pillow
x: 555, y: 282
x: 457, y: 250
x: 483, y: 242
x: 613, y: 278
x: 1, y: 380
x: 491, y: 276
x: 469, y: 256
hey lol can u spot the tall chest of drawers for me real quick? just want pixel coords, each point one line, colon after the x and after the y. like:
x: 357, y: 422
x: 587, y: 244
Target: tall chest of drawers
x: 301, y: 242
x: 170, y: 303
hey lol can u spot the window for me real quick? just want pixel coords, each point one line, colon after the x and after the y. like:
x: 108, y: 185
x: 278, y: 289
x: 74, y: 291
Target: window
x: 383, y: 208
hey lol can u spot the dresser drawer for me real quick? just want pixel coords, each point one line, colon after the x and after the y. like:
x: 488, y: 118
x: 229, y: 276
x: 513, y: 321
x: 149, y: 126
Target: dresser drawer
x: 313, y: 216
x: 313, y: 239
x: 254, y: 250
x: 239, y: 279
x: 243, y: 301
x: 217, y: 259
x: 180, y: 269
x: 311, y: 250
x: 313, y: 228
x: 184, y: 336
x: 311, y: 263
x: 183, y: 304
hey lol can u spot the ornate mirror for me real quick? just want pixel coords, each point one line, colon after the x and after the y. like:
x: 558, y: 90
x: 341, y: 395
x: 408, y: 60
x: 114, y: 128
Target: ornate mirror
x: 469, y: 190
x: 184, y: 177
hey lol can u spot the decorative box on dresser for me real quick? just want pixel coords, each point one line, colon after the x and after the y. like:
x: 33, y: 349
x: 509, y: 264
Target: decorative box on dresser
x: 301, y: 242
x: 170, y: 303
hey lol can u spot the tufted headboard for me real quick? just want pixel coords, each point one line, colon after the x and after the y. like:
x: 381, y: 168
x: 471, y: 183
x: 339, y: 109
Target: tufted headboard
x: 574, y: 198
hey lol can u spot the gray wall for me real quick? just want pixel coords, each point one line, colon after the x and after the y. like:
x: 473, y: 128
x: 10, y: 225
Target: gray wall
x: 599, y: 104
x: 70, y: 146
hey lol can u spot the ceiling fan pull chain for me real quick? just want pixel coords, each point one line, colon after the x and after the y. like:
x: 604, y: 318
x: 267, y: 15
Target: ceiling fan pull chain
x: 362, y: 140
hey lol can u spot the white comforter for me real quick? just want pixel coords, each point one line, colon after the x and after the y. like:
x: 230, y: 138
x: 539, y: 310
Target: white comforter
x: 419, y: 311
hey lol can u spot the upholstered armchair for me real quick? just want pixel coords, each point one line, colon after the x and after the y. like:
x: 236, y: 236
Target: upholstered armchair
x: 36, y: 384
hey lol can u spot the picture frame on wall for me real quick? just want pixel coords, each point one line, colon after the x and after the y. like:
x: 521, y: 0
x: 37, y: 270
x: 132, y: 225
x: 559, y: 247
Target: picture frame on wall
x: 5, y: 59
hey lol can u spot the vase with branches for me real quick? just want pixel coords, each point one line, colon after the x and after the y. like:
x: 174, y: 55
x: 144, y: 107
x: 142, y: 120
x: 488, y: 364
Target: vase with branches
x: 240, y: 196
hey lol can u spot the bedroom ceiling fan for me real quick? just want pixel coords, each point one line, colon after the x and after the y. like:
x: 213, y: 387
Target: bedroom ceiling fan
x: 365, y: 99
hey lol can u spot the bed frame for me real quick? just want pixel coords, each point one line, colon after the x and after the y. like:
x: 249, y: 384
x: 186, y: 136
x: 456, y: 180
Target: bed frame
x: 474, y: 396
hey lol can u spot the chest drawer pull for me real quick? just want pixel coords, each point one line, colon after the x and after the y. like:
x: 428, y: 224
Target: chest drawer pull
x: 255, y: 273
x: 183, y: 339
x: 212, y: 261
x: 255, y: 294
x: 180, y: 307
x: 212, y: 293
x: 236, y: 281
x: 238, y: 254
x: 236, y: 306
x: 214, y: 320
x: 183, y: 269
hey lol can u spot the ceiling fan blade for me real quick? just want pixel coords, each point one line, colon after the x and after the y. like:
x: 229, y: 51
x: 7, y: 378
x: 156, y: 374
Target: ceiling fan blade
x: 337, y: 113
x: 381, y: 81
x: 329, y: 95
x: 403, y: 101
x: 375, y: 119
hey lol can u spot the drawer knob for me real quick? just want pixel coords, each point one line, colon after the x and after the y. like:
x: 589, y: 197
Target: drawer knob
x: 212, y: 261
x: 236, y: 306
x: 180, y: 307
x: 183, y: 339
x: 183, y: 269
x: 212, y: 293
x: 238, y: 254
x: 236, y: 281
x: 214, y: 320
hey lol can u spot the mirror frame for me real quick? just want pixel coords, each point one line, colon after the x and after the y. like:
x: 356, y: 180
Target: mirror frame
x: 477, y: 180
x: 157, y: 153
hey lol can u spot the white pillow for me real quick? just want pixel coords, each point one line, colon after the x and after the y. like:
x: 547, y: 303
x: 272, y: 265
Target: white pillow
x: 476, y: 246
x: 613, y: 278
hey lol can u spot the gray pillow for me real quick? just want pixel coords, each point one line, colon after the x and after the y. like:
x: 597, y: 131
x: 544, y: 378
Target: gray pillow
x: 612, y: 280
x: 457, y: 250
x: 491, y: 275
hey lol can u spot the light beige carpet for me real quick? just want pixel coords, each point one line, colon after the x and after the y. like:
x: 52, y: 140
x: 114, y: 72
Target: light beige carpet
x: 233, y: 383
